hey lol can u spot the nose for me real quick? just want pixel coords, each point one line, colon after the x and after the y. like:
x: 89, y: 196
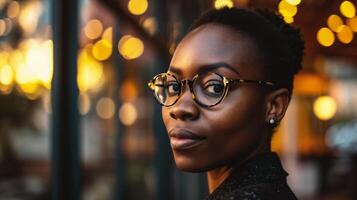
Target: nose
x: 185, y: 108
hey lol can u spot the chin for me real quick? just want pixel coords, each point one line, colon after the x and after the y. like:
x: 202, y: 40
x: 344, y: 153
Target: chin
x: 189, y: 164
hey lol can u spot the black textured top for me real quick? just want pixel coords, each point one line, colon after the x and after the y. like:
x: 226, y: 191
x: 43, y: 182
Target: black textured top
x: 260, y: 178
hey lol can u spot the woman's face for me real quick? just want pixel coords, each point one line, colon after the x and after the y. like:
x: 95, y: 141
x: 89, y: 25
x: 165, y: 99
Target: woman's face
x: 206, y: 138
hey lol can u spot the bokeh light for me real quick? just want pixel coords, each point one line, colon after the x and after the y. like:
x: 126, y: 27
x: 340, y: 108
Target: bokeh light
x: 347, y: 9
x: 150, y: 25
x: 286, y: 9
x: 130, y: 47
x: 138, y: 7
x: 325, y: 37
x: 345, y: 34
x: 2, y: 27
x: 352, y: 23
x: 84, y: 103
x: 293, y: 2
x: 218, y: 4
x: 128, y: 114
x: 102, y: 50
x: 128, y: 91
x: 325, y: 107
x: 105, y: 108
x: 13, y: 9
x: 334, y: 22
x: 108, y: 35
x: 90, y: 71
x: 6, y: 75
x: 29, y: 15
x: 93, y: 29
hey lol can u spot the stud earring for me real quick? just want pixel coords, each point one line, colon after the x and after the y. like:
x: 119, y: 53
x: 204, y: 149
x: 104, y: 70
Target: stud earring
x: 272, y: 121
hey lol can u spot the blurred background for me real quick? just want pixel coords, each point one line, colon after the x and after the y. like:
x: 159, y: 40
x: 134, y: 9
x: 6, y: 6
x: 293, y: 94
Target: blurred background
x: 123, y: 147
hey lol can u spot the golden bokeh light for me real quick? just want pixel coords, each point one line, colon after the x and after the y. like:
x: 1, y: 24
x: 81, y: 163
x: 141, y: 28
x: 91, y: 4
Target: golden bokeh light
x: 325, y: 37
x: 108, y: 35
x: 93, y: 29
x: 218, y: 4
x: 325, y: 107
x: 347, y: 9
x: 6, y: 75
x: 293, y: 2
x: 128, y: 91
x: 352, y: 23
x: 334, y: 22
x: 289, y: 20
x: 128, y: 114
x: 84, y: 103
x: 130, y: 47
x: 345, y: 34
x: 150, y: 25
x: 90, y: 71
x: 102, y: 50
x: 105, y: 108
x: 29, y: 15
x: 2, y: 27
x: 138, y: 7
x: 286, y: 9
x: 13, y: 9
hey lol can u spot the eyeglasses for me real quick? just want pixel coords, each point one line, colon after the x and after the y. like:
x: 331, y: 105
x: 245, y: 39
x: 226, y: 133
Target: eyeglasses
x: 207, y: 89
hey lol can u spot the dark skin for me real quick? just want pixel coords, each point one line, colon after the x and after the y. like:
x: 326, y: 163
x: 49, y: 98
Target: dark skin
x: 235, y: 129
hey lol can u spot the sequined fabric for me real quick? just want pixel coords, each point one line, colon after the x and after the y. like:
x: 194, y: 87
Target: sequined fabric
x: 260, y: 178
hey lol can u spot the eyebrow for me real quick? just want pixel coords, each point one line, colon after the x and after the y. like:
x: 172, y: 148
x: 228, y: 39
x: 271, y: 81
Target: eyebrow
x: 204, y: 68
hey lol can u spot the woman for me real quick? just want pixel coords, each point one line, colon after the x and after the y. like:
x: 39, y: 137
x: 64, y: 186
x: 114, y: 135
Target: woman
x: 228, y: 86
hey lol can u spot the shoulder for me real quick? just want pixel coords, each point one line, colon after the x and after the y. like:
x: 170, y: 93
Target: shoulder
x: 272, y: 191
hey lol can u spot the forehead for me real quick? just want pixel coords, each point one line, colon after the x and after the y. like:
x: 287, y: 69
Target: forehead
x: 213, y: 43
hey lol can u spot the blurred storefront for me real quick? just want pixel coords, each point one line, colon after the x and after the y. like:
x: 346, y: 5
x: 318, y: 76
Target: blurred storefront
x: 124, y: 150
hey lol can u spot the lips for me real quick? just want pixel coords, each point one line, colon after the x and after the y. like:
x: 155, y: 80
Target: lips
x: 182, y: 139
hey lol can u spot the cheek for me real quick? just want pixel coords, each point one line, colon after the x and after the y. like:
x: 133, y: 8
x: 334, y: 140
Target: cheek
x: 165, y: 115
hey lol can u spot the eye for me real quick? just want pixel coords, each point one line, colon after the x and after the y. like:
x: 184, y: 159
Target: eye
x: 173, y: 88
x: 213, y: 88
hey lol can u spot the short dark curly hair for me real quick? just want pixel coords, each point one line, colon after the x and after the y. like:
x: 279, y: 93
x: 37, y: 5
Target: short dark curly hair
x: 280, y: 44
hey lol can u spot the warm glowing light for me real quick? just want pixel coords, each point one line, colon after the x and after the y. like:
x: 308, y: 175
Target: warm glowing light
x: 105, y: 108
x: 2, y: 27
x: 128, y: 114
x: 9, y: 25
x: 84, y: 103
x: 93, y: 29
x: 218, y: 4
x: 345, y: 34
x: 286, y: 9
x: 29, y: 15
x: 6, y: 75
x: 138, y: 7
x: 289, y: 20
x: 352, y: 23
x: 347, y: 9
x: 108, y: 35
x: 130, y: 47
x: 293, y: 2
x: 90, y: 71
x: 13, y: 9
x: 128, y: 91
x: 150, y: 25
x: 334, y: 22
x: 102, y: 50
x: 325, y: 107
x: 325, y: 37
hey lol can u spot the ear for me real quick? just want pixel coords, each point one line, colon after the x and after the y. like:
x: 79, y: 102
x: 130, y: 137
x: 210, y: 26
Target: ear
x: 277, y: 102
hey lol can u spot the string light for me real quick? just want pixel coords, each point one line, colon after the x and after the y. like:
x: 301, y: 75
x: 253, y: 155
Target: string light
x: 325, y: 107
x: 334, y: 22
x: 325, y: 37
x: 218, y: 4
x: 138, y: 7
x: 347, y: 9
x: 345, y: 34
x: 130, y: 47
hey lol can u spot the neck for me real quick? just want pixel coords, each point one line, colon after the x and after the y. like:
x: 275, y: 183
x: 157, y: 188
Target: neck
x: 216, y: 176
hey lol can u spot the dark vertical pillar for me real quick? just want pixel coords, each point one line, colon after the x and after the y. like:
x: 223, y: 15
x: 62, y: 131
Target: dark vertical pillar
x: 163, y: 156
x: 65, y: 117
x: 120, y: 165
